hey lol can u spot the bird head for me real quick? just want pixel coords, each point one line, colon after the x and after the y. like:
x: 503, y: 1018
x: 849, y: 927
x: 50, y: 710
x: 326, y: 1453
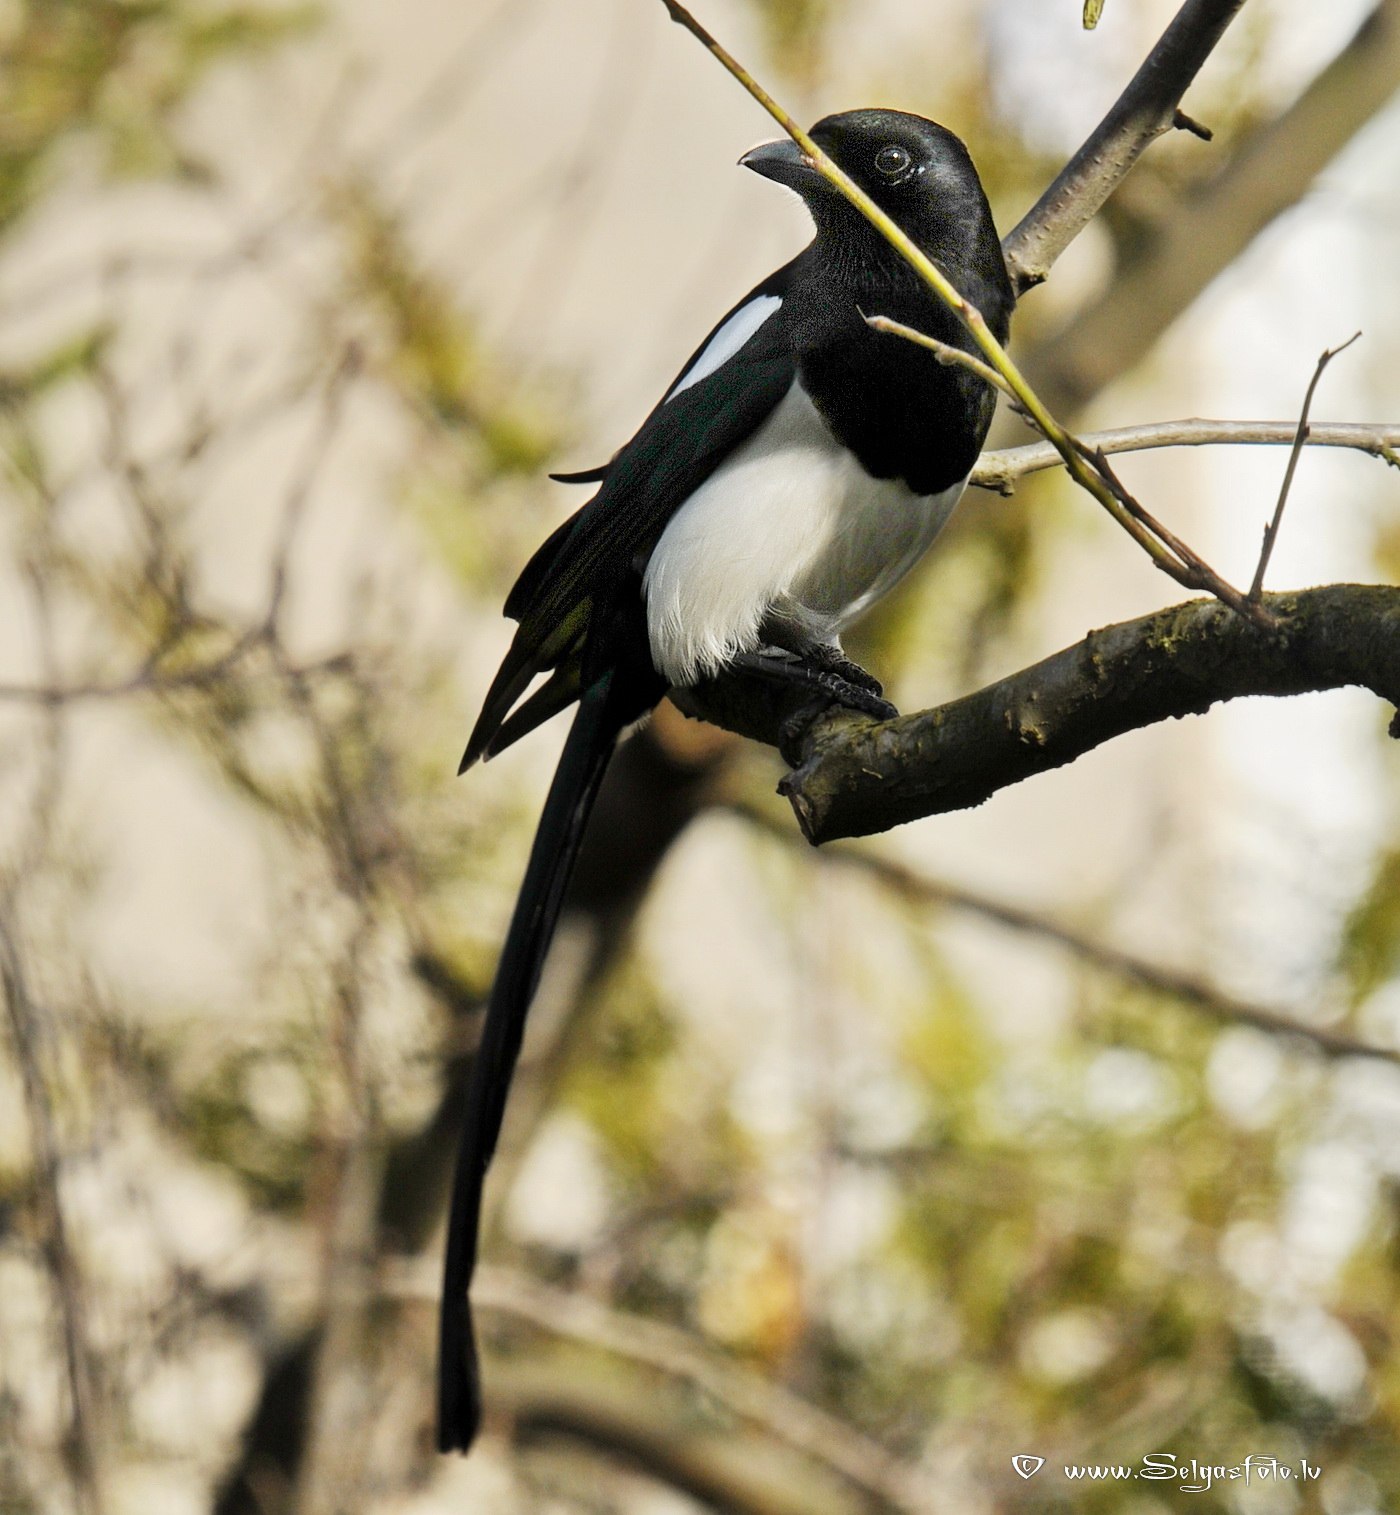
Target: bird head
x: 915, y: 170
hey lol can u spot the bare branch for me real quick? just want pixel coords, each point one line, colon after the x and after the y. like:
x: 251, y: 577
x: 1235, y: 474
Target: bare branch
x: 1001, y: 470
x: 854, y: 776
x: 945, y: 353
x: 1142, y: 113
x: 1185, y: 123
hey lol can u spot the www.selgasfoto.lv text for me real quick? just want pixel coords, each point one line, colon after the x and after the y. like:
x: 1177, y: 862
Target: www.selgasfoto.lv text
x: 1190, y: 1475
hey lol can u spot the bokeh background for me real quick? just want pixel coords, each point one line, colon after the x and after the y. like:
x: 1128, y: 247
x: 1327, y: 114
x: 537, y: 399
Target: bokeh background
x: 831, y: 1181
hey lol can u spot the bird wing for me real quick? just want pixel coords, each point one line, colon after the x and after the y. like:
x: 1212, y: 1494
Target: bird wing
x: 725, y: 340
x: 730, y: 386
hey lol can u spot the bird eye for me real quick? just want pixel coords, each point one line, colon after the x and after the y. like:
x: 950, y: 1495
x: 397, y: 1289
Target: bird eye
x: 893, y: 162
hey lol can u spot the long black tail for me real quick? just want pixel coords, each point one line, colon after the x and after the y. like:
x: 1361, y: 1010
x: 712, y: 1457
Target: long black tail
x: 576, y: 781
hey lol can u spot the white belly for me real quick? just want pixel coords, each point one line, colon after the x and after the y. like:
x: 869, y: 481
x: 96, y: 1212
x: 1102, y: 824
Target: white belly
x: 789, y: 524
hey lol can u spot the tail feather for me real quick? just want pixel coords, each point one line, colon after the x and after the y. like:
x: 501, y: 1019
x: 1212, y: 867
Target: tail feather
x: 529, y: 654
x: 546, y: 702
x: 580, y: 773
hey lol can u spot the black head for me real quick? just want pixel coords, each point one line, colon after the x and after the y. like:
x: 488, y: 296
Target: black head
x: 915, y: 170
x: 898, y: 159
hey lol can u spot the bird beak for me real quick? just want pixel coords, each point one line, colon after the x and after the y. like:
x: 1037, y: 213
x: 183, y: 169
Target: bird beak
x: 784, y: 162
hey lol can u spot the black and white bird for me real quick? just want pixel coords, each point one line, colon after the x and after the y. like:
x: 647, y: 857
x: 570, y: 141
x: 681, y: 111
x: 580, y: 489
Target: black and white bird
x: 796, y: 470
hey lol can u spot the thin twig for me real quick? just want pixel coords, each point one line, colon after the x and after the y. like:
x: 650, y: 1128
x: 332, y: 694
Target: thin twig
x: 1256, y: 589
x: 1184, y: 123
x: 945, y: 352
x: 1000, y: 470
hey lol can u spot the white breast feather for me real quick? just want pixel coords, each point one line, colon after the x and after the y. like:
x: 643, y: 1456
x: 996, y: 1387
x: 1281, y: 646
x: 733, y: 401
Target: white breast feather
x: 730, y: 337
x: 789, y: 522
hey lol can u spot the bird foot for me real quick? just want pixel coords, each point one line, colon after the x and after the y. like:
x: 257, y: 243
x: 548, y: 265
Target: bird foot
x: 833, y: 681
x: 833, y: 660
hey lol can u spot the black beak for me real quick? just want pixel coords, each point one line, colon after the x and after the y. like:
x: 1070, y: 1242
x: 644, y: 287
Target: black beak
x: 783, y: 161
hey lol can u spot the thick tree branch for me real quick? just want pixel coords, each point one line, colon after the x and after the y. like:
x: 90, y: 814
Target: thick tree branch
x: 1142, y: 113
x: 853, y: 776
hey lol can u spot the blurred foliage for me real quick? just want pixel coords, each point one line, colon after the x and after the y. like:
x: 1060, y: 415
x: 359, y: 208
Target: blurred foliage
x: 112, y: 73
x: 798, y: 34
x: 1370, y: 944
x: 429, y: 348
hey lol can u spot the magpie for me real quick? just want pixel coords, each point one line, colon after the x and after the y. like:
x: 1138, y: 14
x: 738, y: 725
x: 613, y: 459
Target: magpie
x: 793, y: 473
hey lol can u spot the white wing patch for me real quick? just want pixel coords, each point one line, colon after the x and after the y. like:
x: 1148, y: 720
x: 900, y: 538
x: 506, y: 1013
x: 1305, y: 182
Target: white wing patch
x: 727, y: 340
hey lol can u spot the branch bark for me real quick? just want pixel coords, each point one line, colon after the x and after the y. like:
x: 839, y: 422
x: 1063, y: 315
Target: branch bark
x: 853, y: 776
x: 1147, y: 108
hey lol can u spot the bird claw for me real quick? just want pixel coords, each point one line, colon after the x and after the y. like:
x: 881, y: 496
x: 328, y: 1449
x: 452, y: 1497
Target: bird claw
x: 838, y: 694
x: 833, y: 660
x: 834, y: 681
